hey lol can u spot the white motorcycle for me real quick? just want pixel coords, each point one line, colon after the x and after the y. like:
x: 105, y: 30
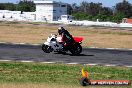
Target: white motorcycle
x: 54, y: 43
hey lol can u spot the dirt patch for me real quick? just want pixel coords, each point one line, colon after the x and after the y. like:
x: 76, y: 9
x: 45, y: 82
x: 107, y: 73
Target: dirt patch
x: 93, y: 36
x: 36, y: 86
x: 53, y: 86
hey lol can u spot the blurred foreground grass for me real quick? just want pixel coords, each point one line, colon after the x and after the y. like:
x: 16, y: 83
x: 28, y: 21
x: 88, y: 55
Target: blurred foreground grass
x: 65, y: 76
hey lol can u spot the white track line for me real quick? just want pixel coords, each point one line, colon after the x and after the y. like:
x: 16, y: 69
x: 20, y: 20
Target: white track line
x: 3, y: 42
x: 91, y: 64
x: 48, y: 62
x: 36, y: 44
x: 110, y: 65
x: 26, y: 61
x: 5, y: 60
x: 20, y: 43
x: 72, y: 63
x: 110, y: 48
x: 129, y: 49
x: 129, y: 66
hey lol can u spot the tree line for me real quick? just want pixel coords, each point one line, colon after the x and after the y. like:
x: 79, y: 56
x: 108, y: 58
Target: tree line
x: 94, y: 11
x: 83, y: 11
x: 27, y: 6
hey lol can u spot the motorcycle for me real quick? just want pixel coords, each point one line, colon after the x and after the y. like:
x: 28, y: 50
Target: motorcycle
x: 54, y: 43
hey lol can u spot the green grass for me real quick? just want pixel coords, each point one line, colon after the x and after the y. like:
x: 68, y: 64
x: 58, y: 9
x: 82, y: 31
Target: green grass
x: 16, y: 72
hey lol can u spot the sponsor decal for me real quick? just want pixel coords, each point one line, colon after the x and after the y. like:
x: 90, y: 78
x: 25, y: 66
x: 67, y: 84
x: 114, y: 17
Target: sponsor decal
x: 86, y: 81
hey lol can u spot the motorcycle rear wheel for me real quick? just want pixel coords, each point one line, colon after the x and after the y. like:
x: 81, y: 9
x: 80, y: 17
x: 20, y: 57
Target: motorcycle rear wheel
x: 76, y: 50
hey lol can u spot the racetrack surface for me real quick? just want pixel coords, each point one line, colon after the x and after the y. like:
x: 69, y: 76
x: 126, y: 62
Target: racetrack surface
x: 88, y: 56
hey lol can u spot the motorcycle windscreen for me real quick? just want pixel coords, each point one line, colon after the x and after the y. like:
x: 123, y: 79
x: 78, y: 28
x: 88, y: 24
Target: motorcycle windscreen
x: 78, y: 39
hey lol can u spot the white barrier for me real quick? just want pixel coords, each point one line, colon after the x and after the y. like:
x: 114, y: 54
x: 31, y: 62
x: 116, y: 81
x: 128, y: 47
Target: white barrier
x: 127, y: 25
x: 6, y: 15
x: 92, y: 23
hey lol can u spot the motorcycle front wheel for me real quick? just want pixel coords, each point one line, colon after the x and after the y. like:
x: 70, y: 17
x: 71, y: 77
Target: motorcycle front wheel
x: 46, y: 48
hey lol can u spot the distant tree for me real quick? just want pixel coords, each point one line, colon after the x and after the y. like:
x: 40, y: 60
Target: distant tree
x: 10, y: 6
x: 69, y: 9
x: 7, y: 6
x: 2, y: 7
x: 84, y: 6
x: 125, y: 8
x: 118, y: 17
x: 80, y: 16
x: 101, y: 17
x: 90, y: 8
x: 27, y: 6
x: 75, y: 8
x: 106, y: 11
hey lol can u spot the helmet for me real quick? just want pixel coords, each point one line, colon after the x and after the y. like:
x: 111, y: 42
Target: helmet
x: 60, y: 30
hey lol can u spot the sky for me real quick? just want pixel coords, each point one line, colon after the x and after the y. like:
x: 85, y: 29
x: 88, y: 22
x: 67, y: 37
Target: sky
x: 107, y: 3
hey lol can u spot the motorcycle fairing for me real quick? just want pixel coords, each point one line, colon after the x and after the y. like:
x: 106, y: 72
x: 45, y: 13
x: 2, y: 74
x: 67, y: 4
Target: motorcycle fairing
x: 78, y: 39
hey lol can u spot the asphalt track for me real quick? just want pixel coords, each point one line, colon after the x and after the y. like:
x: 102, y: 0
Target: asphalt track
x: 88, y: 56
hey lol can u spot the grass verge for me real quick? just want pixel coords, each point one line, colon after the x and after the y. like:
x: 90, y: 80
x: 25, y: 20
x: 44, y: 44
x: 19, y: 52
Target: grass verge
x: 66, y: 76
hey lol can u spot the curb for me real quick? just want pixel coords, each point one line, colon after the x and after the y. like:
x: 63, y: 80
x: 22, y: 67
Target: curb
x: 89, y: 64
x: 110, y: 48
x: 28, y: 44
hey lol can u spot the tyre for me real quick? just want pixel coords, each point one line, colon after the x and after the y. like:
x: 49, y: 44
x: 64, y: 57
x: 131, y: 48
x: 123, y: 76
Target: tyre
x: 76, y: 50
x: 84, y: 81
x: 46, y: 48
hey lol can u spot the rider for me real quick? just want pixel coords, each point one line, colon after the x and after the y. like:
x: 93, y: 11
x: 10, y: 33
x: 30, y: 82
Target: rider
x: 66, y: 37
